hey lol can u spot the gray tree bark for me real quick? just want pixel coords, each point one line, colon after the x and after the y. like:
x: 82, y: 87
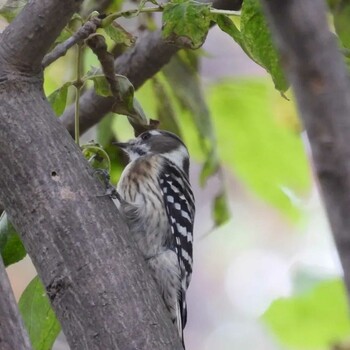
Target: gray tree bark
x: 317, y: 72
x: 99, y: 286
x: 12, y: 332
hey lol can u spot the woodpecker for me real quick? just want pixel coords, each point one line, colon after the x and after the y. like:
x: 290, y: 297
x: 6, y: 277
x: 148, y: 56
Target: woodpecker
x: 159, y: 207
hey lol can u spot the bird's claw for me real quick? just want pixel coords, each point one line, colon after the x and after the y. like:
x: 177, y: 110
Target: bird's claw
x: 111, y: 191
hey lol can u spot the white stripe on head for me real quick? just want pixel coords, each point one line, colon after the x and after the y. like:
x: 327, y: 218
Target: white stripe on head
x: 136, y: 151
x: 177, y: 156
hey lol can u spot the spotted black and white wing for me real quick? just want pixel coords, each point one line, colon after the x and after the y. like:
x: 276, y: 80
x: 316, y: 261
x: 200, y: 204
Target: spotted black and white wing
x: 180, y: 208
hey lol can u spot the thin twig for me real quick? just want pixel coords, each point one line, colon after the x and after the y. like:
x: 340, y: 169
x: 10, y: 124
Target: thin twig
x: 128, y: 13
x: 91, y: 26
x: 78, y: 85
x: 98, y: 45
x: 83, y: 32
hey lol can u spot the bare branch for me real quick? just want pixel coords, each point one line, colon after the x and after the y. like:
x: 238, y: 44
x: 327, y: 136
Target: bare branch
x: 97, y: 44
x: 318, y: 75
x: 24, y: 43
x: 12, y: 332
x: 60, y: 50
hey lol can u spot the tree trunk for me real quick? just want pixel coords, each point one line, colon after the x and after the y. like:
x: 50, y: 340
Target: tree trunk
x: 98, y: 284
x: 317, y: 72
x: 12, y: 332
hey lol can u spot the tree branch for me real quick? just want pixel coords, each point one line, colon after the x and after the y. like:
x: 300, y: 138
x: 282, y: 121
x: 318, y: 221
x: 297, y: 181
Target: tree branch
x: 61, y: 49
x: 12, y: 332
x: 24, y: 48
x: 319, y: 78
x: 138, y: 64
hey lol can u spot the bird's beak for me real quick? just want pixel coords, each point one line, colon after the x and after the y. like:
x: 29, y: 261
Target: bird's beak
x: 121, y: 144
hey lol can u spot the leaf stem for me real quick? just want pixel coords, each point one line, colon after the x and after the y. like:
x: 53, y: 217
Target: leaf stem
x: 109, y: 19
x: 78, y: 85
x: 225, y: 12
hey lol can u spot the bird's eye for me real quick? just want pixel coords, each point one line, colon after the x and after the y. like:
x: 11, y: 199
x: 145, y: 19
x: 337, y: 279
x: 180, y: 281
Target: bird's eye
x: 145, y: 136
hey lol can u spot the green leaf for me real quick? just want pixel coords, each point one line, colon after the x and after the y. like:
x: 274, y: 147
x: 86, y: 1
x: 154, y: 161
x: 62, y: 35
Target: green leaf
x: 186, y: 23
x: 99, y: 80
x: 226, y: 25
x: 125, y: 103
x: 255, y: 39
x: 11, y: 247
x: 135, y: 113
x: 96, y: 156
x: 258, y: 138
x: 58, y: 99
x: 104, y: 132
x: 221, y: 211
x: 38, y: 316
x: 115, y: 6
x: 64, y: 35
x: 119, y: 35
x: 313, y: 320
x: 101, y: 84
x: 258, y: 42
x: 11, y: 8
x: 187, y: 90
x: 341, y: 16
x: 105, y: 136
x: 165, y: 109
x: 186, y: 87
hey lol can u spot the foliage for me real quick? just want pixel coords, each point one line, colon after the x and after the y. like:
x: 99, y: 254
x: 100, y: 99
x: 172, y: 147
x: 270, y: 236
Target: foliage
x: 11, y: 247
x: 341, y: 15
x: 254, y: 38
x: 257, y: 143
x: 312, y: 320
x: 186, y: 22
x: 11, y: 8
x: 38, y: 316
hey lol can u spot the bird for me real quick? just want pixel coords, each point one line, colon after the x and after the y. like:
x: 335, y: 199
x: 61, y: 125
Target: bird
x: 158, y: 205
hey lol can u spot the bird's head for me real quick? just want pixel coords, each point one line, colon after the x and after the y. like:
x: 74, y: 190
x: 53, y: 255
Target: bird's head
x: 160, y: 142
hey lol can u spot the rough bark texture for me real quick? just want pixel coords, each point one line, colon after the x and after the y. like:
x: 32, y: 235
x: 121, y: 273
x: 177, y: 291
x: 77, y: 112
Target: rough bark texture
x: 140, y: 63
x: 23, y: 48
x: 319, y: 77
x: 98, y: 284
x: 12, y: 332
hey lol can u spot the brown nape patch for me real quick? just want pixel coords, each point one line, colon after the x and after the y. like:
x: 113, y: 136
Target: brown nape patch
x: 142, y: 167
